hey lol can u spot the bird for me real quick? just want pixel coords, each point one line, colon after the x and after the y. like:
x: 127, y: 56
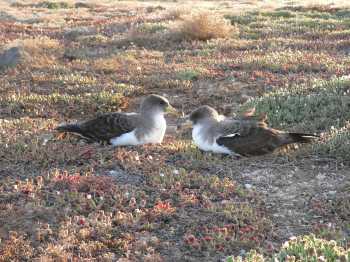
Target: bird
x: 246, y: 136
x: 124, y: 129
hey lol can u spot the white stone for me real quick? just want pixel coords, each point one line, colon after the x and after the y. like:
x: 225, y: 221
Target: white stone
x: 248, y: 186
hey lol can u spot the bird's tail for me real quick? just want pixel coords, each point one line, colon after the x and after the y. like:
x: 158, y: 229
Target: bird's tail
x: 72, y: 128
x: 76, y: 129
x: 301, y: 137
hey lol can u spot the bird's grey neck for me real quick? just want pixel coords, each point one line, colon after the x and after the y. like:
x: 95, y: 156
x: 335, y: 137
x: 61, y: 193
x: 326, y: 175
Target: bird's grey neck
x: 151, y: 115
x: 207, y: 122
x: 152, y: 120
x: 149, y: 121
x: 207, y: 128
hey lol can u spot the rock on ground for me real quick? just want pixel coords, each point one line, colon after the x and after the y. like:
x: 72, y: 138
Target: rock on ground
x: 12, y: 57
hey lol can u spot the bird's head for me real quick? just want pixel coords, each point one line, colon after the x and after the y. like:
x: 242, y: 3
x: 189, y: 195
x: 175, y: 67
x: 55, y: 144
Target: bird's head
x: 156, y: 104
x: 203, y: 113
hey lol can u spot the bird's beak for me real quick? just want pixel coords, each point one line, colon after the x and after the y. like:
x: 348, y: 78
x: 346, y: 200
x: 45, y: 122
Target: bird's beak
x: 186, y: 123
x: 172, y: 111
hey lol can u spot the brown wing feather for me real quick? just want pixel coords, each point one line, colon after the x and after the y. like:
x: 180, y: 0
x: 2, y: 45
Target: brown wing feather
x: 250, y: 116
x: 253, y: 138
x: 249, y: 112
x: 107, y: 126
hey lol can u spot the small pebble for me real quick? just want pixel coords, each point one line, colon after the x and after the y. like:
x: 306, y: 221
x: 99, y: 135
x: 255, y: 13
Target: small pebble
x: 248, y: 186
x: 242, y: 252
x: 113, y: 172
x: 320, y: 176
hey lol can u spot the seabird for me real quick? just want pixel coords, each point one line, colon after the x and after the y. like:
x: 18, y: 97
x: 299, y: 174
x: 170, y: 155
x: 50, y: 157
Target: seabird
x: 245, y: 136
x: 121, y: 129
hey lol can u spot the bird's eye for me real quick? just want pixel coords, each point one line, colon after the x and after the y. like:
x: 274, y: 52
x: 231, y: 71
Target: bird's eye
x: 162, y: 103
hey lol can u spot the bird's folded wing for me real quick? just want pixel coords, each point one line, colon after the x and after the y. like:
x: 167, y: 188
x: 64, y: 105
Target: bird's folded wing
x: 231, y: 128
x: 247, y: 137
x: 250, y: 139
x: 107, y: 126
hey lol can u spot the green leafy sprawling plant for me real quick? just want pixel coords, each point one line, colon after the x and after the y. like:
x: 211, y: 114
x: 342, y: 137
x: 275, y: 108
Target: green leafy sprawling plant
x: 301, y: 249
x: 321, y: 107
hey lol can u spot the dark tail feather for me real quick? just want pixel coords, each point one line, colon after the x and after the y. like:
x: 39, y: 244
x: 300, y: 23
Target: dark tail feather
x: 72, y: 128
x: 302, y: 137
x: 76, y: 129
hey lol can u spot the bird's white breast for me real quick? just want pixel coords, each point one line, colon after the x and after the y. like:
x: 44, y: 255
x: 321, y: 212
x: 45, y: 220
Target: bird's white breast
x: 125, y: 139
x: 199, y: 137
x: 154, y: 135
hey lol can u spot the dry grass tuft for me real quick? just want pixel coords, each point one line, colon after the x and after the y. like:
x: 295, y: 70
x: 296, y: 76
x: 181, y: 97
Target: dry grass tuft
x: 38, y: 44
x: 176, y: 13
x: 205, y: 26
x: 116, y: 63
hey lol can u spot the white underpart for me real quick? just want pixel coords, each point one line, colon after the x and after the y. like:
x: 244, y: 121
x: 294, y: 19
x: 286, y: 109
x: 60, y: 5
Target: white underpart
x: 221, y: 117
x: 204, y: 144
x: 125, y: 140
x: 154, y: 136
x: 232, y: 135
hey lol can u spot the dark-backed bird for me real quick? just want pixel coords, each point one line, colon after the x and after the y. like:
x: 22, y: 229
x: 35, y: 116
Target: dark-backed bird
x: 245, y: 136
x: 121, y: 129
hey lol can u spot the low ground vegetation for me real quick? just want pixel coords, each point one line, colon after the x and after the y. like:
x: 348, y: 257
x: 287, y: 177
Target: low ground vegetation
x: 62, y: 199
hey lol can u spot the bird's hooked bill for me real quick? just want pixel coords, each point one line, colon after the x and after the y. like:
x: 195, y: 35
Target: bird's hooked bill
x: 172, y: 111
x: 186, y: 123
